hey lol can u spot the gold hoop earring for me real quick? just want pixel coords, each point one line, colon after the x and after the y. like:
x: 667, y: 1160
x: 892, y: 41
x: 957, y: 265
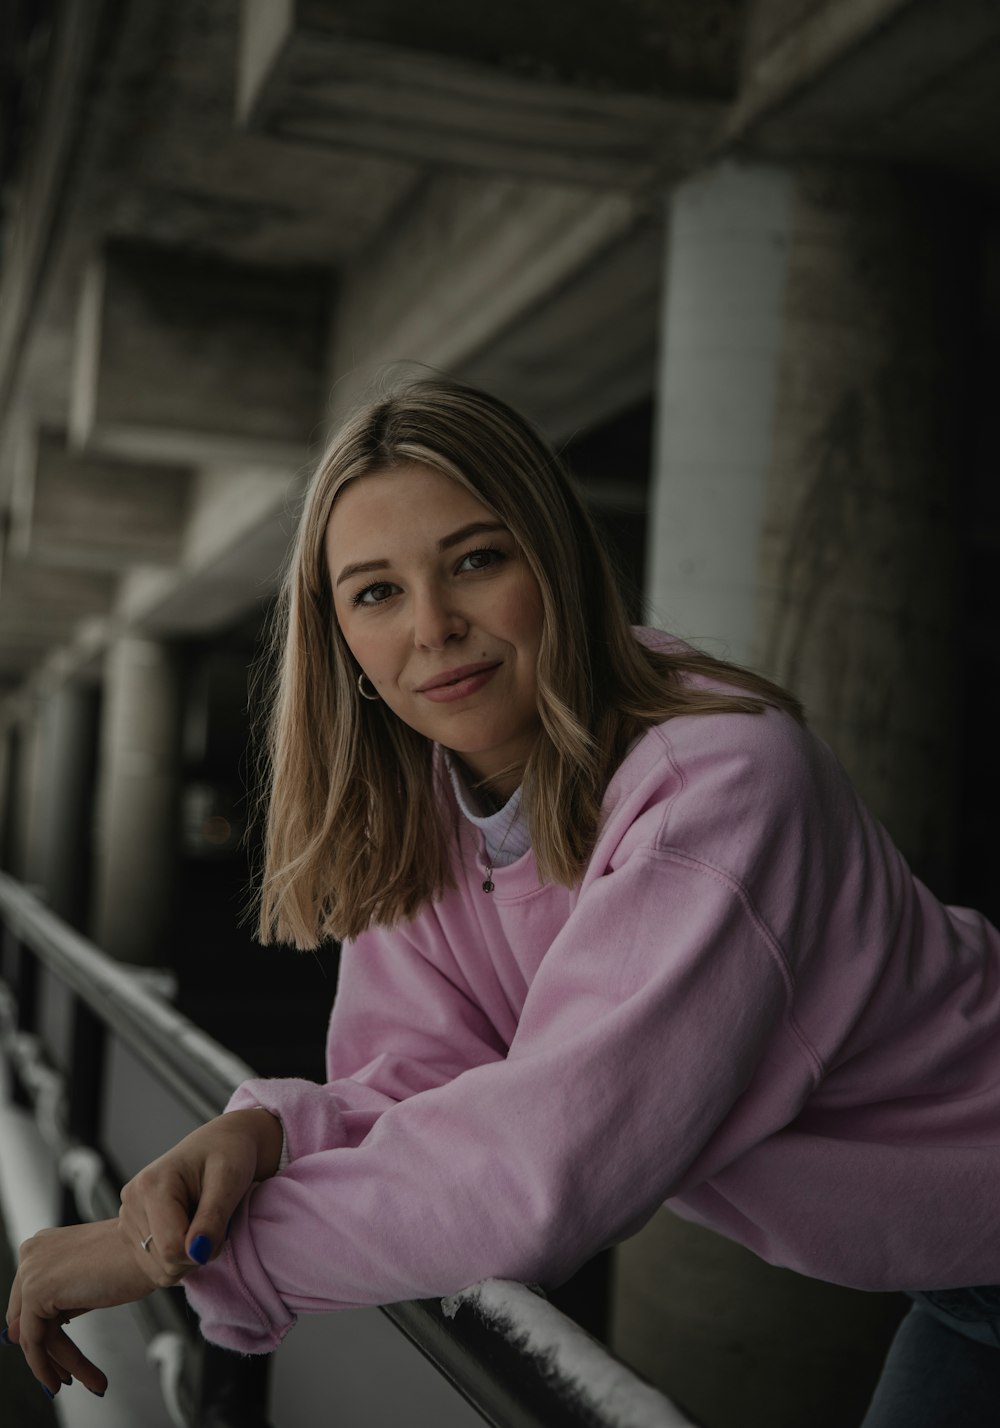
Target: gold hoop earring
x: 361, y: 688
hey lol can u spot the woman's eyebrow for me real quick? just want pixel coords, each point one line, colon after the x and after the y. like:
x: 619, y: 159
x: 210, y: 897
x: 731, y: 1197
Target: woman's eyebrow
x: 473, y: 528
x: 445, y: 543
x: 361, y: 568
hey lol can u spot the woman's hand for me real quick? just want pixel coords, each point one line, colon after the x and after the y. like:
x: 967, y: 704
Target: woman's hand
x: 62, y: 1274
x: 176, y: 1211
x: 173, y: 1218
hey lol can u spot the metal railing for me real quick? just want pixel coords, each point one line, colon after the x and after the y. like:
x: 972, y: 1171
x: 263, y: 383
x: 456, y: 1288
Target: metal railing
x: 513, y: 1356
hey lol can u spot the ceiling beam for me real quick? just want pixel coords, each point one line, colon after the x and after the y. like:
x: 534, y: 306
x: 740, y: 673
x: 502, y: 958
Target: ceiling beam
x: 599, y: 94
x: 189, y: 359
x: 894, y: 80
x: 95, y: 512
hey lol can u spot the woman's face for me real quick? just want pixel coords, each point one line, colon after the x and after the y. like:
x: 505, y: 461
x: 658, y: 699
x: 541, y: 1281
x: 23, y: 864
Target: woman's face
x: 441, y: 611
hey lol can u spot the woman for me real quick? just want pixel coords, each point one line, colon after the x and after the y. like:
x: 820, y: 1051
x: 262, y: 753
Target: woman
x: 618, y: 931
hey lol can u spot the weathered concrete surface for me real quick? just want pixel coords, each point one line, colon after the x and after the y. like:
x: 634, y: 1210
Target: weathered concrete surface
x: 26, y: 244
x: 592, y: 93
x: 740, y: 1344
x: 797, y: 36
x: 911, y: 81
x: 231, y: 557
x: 39, y: 607
x: 94, y: 512
x: 584, y: 353
x: 857, y: 579
x: 467, y: 261
x: 136, y: 800
x: 802, y: 512
x: 721, y: 332
x: 67, y: 719
x: 181, y: 358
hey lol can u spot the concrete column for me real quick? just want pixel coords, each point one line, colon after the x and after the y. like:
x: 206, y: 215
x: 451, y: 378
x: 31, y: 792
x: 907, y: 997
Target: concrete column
x: 62, y: 844
x: 801, y: 515
x: 801, y: 523
x: 727, y: 264
x: 27, y: 774
x: 136, y: 800
x: 10, y: 780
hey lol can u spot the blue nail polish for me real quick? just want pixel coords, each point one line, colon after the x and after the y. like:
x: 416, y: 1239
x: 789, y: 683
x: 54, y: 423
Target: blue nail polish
x: 5, y: 1338
x: 47, y: 1391
x: 201, y: 1248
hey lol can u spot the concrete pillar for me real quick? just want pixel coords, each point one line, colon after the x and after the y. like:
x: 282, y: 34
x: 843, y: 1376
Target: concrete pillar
x: 136, y: 800
x: 857, y: 596
x: 801, y: 523
x: 10, y: 748
x: 727, y: 261
x: 62, y: 843
x: 801, y: 514
x: 26, y: 843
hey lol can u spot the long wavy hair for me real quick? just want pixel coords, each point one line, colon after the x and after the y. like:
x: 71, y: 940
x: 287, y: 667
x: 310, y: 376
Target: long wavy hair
x: 359, y: 830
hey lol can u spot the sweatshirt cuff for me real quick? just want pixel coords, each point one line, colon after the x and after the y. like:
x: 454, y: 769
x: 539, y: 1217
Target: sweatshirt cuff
x: 237, y: 1304
x: 311, y: 1118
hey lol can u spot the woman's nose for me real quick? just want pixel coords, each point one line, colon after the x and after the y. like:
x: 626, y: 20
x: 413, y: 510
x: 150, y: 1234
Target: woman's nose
x: 436, y: 621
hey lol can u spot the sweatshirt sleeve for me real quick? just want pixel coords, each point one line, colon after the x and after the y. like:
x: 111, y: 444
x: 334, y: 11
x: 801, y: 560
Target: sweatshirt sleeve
x: 630, y: 1074
x: 402, y: 1023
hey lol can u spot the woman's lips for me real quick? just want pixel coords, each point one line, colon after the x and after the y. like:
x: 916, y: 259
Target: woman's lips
x: 459, y: 683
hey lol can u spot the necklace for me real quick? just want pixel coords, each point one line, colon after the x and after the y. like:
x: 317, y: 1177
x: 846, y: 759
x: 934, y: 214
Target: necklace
x: 488, y: 883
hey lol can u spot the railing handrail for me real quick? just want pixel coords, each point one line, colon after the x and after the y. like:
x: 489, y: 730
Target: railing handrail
x: 200, y: 1071
x: 518, y: 1360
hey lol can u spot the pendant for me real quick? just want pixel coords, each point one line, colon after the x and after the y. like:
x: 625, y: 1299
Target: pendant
x: 487, y: 884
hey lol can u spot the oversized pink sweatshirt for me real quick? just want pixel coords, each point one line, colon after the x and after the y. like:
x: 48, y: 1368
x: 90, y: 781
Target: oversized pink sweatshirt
x: 748, y: 1007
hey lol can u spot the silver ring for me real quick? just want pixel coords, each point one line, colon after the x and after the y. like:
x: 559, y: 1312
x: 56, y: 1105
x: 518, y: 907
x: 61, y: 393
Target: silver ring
x: 147, y: 1242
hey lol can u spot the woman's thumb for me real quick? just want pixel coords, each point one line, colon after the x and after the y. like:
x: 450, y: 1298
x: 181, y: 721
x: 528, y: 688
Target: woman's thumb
x: 200, y: 1246
x: 221, y: 1193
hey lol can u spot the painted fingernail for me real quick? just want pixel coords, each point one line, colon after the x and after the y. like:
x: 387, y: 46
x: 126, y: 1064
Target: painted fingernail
x: 47, y: 1391
x: 5, y: 1339
x: 201, y: 1248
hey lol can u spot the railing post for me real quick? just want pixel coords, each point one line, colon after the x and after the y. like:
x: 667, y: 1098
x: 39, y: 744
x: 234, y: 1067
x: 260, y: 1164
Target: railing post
x: 233, y: 1390
x: 25, y: 986
x: 85, y: 1086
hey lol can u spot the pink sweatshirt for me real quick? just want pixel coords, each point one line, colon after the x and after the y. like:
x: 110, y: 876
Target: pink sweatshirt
x: 748, y: 1008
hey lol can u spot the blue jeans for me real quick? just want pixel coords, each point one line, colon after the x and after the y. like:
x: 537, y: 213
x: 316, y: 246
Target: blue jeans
x: 943, y: 1368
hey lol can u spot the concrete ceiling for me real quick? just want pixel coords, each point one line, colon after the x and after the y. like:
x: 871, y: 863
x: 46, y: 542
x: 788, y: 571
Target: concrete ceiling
x: 297, y: 137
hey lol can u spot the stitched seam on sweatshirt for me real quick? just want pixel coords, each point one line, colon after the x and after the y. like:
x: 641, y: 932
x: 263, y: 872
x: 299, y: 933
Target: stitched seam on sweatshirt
x: 681, y: 781
x: 762, y: 929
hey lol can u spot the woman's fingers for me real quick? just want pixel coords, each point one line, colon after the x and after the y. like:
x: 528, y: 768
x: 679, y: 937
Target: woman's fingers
x: 14, y: 1308
x: 224, y: 1186
x: 66, y: 1356
x: 154, y: 1220
x: 160, y: 1245
x: 185, y: 1199
x: 56, y: 1360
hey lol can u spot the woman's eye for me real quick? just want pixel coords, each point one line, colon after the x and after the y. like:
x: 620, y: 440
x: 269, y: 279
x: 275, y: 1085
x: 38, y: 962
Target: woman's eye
x: 374, y: 594
x: 481, y: 558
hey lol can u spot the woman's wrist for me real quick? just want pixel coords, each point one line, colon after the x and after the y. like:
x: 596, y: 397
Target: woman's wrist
x: 268, y: 1136
x: 269, y: 1155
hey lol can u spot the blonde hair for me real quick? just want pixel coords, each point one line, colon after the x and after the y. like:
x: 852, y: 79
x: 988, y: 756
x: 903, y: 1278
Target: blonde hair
x: 359, y: 831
